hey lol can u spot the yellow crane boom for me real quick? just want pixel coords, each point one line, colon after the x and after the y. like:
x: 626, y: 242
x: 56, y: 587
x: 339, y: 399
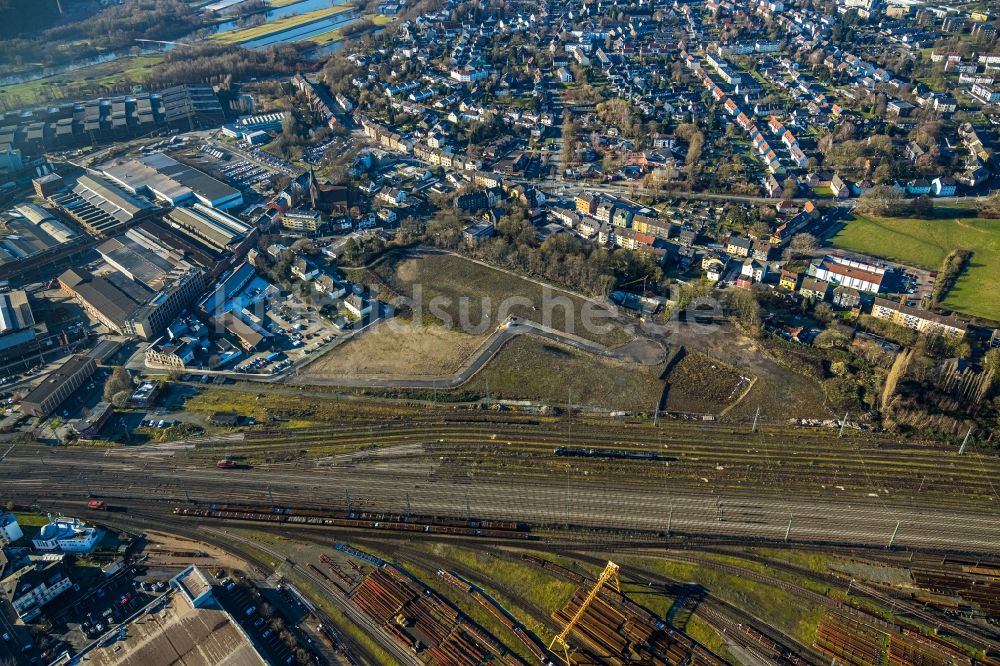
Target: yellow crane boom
x: 610, y: 573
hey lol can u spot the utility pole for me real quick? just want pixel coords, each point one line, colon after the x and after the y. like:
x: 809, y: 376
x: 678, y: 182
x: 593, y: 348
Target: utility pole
x: 270, y: 494
x: 407, y: 506
x: 842, y: 424
x: 347, y: 494
x: 965, y: 441
x: 670, y: 519
x: 893, y: 537
x: 788, y: 530
x: 487, y: 393
x: 569, y: 416
x: 756, y: 418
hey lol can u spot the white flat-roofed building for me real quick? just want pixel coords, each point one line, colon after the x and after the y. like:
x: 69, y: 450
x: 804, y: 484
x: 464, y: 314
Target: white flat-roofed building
x: 163, y: 178
x: 10, y: 531
x: 213, y: 227
x: 68, y: 535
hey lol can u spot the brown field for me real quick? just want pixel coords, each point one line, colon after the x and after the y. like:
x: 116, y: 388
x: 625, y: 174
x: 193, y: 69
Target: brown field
x: 701, y: 384
x: 477, y: 298
x: 385, y: 351
x: 530, y: 368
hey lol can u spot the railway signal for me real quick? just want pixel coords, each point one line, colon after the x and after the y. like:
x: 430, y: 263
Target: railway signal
x: 965, y: 441
x: 893, y: 537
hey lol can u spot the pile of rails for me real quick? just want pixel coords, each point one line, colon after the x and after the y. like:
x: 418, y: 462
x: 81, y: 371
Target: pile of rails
x: 966, y: 586
x: 359, y: 519
x: 530, y: 642
x: 785, y: 654
x: 612, y: 633
x: 615, y: 630
x: 424, y: 622
x: 851, y: 641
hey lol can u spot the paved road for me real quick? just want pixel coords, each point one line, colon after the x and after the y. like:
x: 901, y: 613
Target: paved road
x: 822, y: 514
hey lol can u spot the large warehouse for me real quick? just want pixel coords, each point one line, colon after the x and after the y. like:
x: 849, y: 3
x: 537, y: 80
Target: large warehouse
x: 130, y: 307
x: 101, y: 206
x: 17, y: 324
x: 33, y: 231
x: 163, y: 178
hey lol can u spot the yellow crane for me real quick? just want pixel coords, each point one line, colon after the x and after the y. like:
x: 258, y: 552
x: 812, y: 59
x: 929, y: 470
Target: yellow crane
x: 610, y: 573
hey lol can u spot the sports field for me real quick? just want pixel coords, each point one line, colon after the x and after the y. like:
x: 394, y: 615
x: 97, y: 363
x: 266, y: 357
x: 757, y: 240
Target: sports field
x: 925, y: 244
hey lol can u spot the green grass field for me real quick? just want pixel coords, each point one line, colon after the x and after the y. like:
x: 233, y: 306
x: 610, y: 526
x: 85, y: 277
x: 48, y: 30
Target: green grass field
x: 925, y: 244
x: 241, y: 35
x: 87, y: 81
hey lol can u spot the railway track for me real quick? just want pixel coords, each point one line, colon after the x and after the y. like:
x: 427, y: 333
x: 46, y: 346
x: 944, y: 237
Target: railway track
x: 150, y: 513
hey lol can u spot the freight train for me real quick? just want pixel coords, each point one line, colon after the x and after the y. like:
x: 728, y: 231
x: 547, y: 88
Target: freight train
x: 615, y: 454
x: 360, y: 519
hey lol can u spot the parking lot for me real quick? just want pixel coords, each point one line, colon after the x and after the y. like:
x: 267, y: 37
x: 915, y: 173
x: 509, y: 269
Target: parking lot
x: 298, y: 331
x: 246, y: 174
x: 259, y: 617
x: 315, y: 154
x: 86, y: 616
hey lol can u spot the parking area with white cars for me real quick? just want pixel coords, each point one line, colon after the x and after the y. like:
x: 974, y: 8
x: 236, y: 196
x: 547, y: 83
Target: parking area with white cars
x: 245, y: 174
x: 315, y: 154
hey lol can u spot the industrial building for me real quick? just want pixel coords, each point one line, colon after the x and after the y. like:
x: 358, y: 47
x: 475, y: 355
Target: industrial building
x: 180, y: 242
x: 129, y: 307
x: 30, y: 233
x: 189, y: 627
x: 101, y: 206
x: 214, y: 228
x: 87, y: 121
x: 17, y: 324
x: 58, y: 385
x: 251, y: 337
x: 47, y: 185
x: 162, y: 178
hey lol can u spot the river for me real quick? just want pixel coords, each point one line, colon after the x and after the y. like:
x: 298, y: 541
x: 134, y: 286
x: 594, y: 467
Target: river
x: 295, y: 34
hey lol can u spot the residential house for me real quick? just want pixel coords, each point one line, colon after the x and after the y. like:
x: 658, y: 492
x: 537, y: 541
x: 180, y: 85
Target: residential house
x: 30, y: 588
x: 739, y: 246
x: 839, y: 188
x: 814, y: 289
x: 788, y: 280
x: 846, y: 297
x: 943, y: 186
x: 917, y: 319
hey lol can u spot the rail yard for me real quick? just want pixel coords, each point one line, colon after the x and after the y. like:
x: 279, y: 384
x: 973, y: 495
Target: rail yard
x: 459, y: 536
